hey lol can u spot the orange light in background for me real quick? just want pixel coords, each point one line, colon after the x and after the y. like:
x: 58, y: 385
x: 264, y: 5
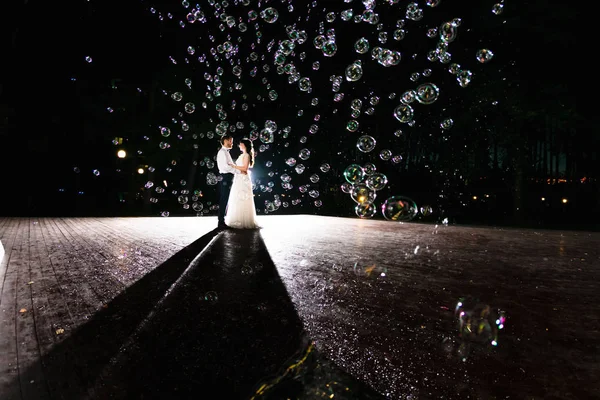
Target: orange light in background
x: 543, y: 199
x: 564, y: 200
x: 121, y: 154
x: 141, y: 171
x: 474, y: 197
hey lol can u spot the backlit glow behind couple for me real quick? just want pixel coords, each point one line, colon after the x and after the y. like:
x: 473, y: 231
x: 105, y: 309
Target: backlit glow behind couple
x: 236, y: 199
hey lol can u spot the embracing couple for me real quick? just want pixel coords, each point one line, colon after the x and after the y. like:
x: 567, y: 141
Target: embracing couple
x: 235, y: 187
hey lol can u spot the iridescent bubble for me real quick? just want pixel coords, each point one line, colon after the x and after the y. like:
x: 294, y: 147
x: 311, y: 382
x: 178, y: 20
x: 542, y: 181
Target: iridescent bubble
x: 325, y: 167
x: 356, y: 104
x: 177, y: 96
x: 266, y: 136
x: 365, y: 209
x: 399, y: 208
x: 454, y: 68
x: 304, y: 84
x: 399, y: 34
x: 164, y: 131
x: 366, y: 143
x: 286, y: 47
x: 447, y: 124
x: 448, y: 32
x: 270, y: 125
x: 352, y: 125
x: 498, y: 8
x: 354, y: 71
x: 426, y: 210
x: 182, y: 199
x: 464, y: 77
x: 329, y: 49
x: 385, y: 154
x: 210, y: 297
x: 478, y: 322
x: 360, y: 193
x: 354, y: 173
x: 361, y: 46
x: 376, y: 181
x: 369, y: 168
x: 404, y: 113
x: 427, y: 93
x: 304, y: 154
x: 408, y: 97
x: 319, y: 41
x: 269, y: 15
x: 346, y: 15
x: 484, y: 55
x: 190, y: 108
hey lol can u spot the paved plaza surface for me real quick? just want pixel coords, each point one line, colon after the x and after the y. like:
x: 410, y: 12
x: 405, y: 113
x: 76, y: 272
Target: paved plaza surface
x: 306, y: 307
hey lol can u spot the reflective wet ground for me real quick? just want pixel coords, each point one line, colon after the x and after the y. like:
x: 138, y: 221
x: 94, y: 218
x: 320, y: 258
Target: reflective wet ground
x: 317, y: 307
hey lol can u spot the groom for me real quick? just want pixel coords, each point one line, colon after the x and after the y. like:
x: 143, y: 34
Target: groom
x: 226, y: 171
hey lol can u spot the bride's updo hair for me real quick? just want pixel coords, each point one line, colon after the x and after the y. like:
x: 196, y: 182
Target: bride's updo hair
x: 249, y: 149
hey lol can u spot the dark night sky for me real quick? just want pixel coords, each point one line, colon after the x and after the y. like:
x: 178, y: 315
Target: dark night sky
x: 57, y: 123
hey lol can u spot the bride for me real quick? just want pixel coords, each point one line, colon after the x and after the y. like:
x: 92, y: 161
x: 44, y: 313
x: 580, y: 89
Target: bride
x: 241, y: 212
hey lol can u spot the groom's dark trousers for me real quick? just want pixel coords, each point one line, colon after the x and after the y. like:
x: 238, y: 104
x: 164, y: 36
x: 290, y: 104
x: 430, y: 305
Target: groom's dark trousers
x: 224, y: 189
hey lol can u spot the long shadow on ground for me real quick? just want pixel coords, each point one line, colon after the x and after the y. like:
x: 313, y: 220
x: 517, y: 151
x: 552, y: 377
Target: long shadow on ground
x: 226, y: 329
x: 75, y: 363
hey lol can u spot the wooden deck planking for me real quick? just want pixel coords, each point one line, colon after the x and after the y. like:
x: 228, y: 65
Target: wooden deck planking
x: 9, y: 372
x: 51, y: 309
x: 106, y: 255
x: 31, y: 376
x: 103, y: 285
x: 128, y: 257
x: 62, y: 271
x: 79, y: 296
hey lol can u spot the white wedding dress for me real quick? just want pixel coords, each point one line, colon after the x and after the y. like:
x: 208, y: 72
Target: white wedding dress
x: 241, y: 212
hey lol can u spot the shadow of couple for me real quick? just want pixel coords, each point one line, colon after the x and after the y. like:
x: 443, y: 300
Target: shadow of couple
x: 222, y: 323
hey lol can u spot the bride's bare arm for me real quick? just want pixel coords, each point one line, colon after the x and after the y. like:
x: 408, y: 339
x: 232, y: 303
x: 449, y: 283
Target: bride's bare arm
x: 245, y: 164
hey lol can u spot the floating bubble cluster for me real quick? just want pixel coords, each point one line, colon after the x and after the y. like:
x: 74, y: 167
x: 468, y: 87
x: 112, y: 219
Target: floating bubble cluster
x: 310, y: 83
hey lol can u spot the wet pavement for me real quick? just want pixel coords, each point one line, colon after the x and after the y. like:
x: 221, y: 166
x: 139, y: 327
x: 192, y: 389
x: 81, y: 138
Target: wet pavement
x: 380, y: 301
x: 318, y: 307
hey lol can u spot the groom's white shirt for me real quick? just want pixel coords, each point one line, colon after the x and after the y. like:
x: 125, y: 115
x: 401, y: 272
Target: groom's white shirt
x: 223, y: 160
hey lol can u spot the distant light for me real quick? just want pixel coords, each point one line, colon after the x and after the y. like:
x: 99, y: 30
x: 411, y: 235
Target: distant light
x: 543, y: 199
x: 121, y: 154
x: 565, y: 201
x: 141, y: 171
x: 474, y: 197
